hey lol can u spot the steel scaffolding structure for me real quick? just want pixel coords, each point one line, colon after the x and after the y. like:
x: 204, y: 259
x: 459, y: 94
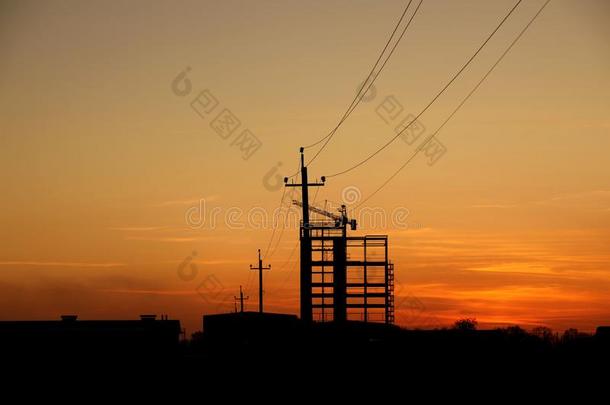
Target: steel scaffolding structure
x: 342, y: 277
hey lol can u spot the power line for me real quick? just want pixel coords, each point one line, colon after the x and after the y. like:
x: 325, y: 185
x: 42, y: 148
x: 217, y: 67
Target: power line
x: 285, y: 221
x: 433, y: 99
x: 330, y: 136
x: 294, y: 248
x: 368, y: 83
x: 274, y: 228
x: 365, y: 80
x: 315, y: 197
x: 250, y: 277
x: 359, y: 98
x: 475, y: 88
x: 288, y: 209
x: 249, y: 281
x: 290, y: 256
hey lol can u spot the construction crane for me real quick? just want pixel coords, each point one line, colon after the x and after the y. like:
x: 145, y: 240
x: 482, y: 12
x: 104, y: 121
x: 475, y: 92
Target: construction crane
x: 340, y: 220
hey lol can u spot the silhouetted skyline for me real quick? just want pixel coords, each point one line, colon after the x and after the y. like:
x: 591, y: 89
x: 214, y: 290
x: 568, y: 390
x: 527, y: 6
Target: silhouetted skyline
x: 122, y: 193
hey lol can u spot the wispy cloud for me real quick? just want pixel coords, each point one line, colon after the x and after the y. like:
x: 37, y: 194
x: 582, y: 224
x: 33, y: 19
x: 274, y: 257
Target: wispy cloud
x: 138, y: 228
x: 500, y: 206
x: 170, y: 239
x: 150, y: 292
x: 59, y: 264
x: 212, y: 262
x: 188, y: 201
x: 520, y: 268
x: 584, y: 194
x: 575, y: 198
x: 594, y: 195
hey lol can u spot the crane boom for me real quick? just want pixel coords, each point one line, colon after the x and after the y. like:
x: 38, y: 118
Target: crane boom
x: 319, y: 211
x: 341, y: 219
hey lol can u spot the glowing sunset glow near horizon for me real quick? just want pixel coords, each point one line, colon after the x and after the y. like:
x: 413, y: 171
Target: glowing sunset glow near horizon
x: 122, y: 197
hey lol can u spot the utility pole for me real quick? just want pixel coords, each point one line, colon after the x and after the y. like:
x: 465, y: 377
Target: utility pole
x: 260, y: 269
x: 241, y: 299
x: 339, y: 255
x: 305, y: 276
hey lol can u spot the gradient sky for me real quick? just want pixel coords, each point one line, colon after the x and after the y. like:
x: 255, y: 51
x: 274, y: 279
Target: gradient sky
x: 101, y: 160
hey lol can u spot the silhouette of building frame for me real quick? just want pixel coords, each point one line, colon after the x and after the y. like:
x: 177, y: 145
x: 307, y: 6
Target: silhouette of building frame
x: 351, y: 276
x: 340, y: 275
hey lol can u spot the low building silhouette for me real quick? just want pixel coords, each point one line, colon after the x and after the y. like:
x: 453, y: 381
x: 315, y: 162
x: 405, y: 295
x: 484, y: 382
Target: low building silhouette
x: 71, y: 337
x: 244, y: 327
x: 603, y: 332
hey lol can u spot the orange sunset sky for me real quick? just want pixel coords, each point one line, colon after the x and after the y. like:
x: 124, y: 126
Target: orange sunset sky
x: 103, y: 161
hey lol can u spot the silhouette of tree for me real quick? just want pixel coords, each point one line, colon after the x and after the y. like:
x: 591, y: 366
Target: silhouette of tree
x: 466, y: 324
x: 545, y: 334
x: 516, y: 331
x: 570, y: 335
